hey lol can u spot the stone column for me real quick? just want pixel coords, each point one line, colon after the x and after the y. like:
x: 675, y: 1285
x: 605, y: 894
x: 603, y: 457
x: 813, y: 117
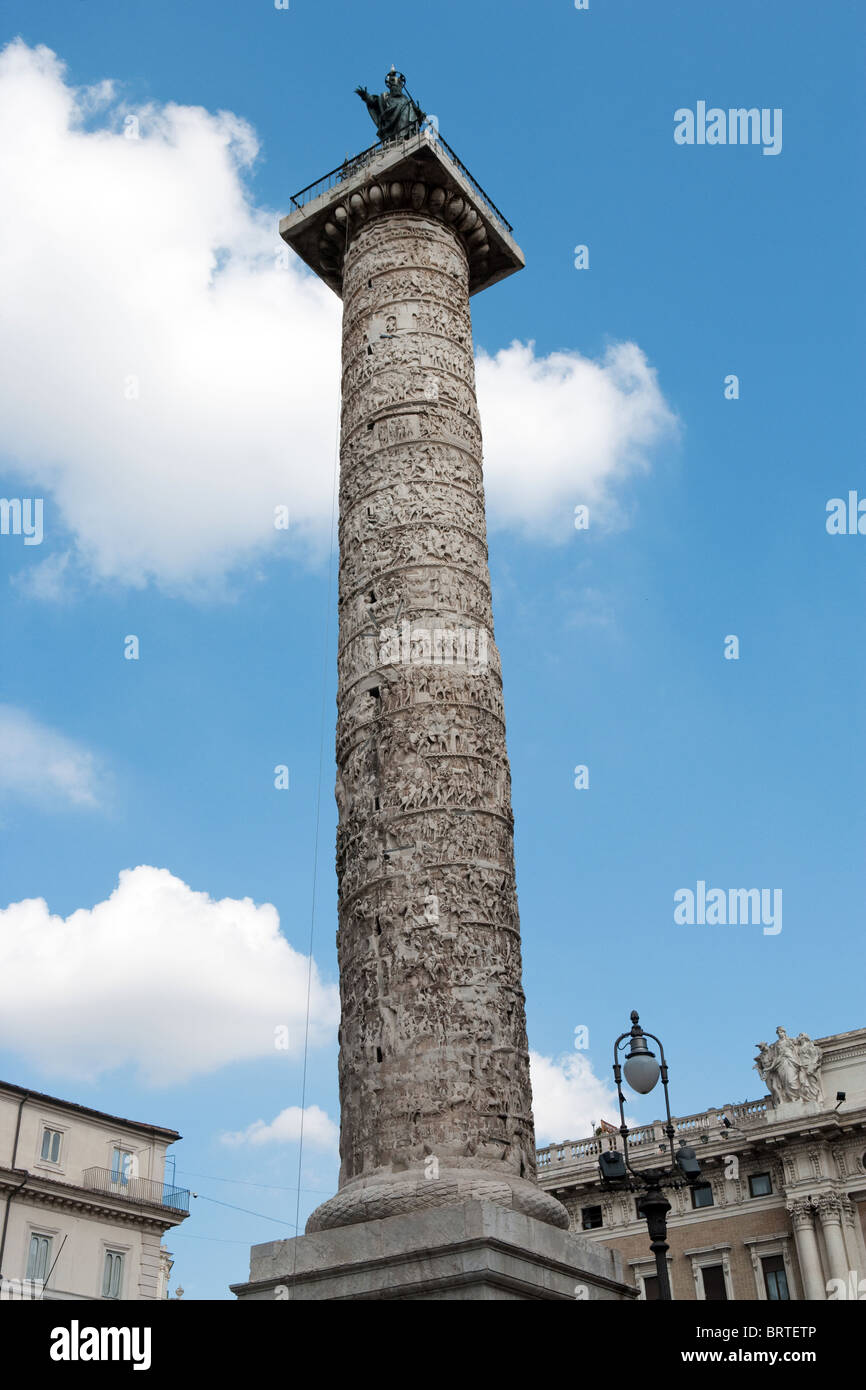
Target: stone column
x: 830, y: 1215
x: 434, y: 1063
x: 853, y: 1232
x: 802, y: 1215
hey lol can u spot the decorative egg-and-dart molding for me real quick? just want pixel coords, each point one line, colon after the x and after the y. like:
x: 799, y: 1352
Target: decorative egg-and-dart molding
x: 376, y: 200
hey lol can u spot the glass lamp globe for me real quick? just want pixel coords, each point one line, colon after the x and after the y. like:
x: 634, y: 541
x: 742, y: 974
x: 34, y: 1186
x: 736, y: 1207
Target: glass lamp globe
x: 641, y: 1070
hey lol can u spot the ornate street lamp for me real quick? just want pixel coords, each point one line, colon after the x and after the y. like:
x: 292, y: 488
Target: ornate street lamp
x: 642, y: 1071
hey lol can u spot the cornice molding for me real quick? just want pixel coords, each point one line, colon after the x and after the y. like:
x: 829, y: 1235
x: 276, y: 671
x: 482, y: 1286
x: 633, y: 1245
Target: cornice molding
x: 421, y: 196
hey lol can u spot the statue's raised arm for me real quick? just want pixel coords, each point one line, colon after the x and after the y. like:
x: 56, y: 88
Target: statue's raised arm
x: 396, y: 115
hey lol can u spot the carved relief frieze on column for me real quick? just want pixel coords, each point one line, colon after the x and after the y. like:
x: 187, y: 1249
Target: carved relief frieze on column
x: 436, y: 1105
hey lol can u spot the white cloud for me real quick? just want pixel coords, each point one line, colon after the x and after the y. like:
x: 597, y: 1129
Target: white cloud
x: 49, y: 579
x: 568, y: 1098
x: 42, y: 767
x: 142, y: 264
x: 158, y: 977
x: 563, y: 430
x: 320, y: 1131
x: 142, y: 268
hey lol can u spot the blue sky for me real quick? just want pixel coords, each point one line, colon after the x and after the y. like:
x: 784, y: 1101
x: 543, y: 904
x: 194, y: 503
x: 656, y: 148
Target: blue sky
x: 710, y: 521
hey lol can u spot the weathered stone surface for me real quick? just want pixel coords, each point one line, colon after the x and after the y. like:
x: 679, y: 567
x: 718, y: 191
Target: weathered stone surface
x: 474, y: 1251
x: 436, y: 1107
x: 419, y: 173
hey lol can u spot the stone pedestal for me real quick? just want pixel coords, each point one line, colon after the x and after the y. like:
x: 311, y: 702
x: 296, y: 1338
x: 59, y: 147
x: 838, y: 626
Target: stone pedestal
x: 474, y: 1251
x: 792, y: 1110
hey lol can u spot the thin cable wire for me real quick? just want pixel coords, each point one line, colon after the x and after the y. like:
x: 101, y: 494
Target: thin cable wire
x: 245, y: 1182
x: 279, y: 1221
x: 217, y: 1240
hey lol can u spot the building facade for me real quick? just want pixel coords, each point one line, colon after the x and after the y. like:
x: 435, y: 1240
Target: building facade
x: 784, y: 1215
x: 83, y: 1201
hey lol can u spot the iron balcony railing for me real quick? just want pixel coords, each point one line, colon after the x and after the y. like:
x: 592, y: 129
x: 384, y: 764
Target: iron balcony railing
x: 139, y: 1190
x: 349, y: 167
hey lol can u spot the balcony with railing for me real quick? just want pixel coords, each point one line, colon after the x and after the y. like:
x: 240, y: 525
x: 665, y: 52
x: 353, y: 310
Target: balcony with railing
x: 355, y: 165
x: 141, y: 1191
x: 646, y: 1137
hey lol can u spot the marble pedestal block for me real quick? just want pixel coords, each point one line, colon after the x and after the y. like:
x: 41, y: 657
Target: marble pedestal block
x: 786, y: 1110
x: 476, y: 1250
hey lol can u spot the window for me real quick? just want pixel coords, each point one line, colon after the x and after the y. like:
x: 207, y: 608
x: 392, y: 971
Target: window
x: 702, y: 1197
x: 775, y: 1279
x: 760, y: 1185
x: 591, y: 1218
x: 651, y: 1288
x: 39, y: 1258
x: 637, y: 1211
x: 715, y: 1290
x: 51, y: 1141
x: 112, y: 1275
x: 123, y: 1164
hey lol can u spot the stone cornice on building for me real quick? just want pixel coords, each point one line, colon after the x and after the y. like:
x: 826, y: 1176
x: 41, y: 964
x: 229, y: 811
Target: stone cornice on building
x: 138, y: 1126
x: 767, y: 1238
x: 839, y: 1041
x: 708, y: 1249
x: 51, y: 1192
x: 844, y: 1047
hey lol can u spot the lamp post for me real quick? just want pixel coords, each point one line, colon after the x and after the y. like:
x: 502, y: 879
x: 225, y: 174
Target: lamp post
x: 642, y: 1071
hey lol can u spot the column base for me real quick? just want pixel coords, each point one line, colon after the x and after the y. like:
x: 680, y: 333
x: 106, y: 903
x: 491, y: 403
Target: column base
x: 389, y: 1194
x: 472, y: 1251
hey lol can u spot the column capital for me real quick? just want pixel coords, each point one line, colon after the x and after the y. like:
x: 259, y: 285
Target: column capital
x: 849, y: 1211
x: 829, y: 1207
x: 801, y: 1212
x: 419, y: 173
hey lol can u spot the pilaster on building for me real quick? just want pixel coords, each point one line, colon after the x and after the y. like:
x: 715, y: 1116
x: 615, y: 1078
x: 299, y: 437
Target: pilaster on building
x: 785, y: 1213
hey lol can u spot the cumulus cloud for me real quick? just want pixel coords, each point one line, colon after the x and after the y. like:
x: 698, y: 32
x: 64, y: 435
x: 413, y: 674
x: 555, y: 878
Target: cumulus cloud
x: 320, y: 1131
x: 42, y: 767
x: 564, y: 430
x: 158, y: 977
x: 50, y: 579
x: 568, y: 1099
x: 170, y: 373
x: 163, y: 372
